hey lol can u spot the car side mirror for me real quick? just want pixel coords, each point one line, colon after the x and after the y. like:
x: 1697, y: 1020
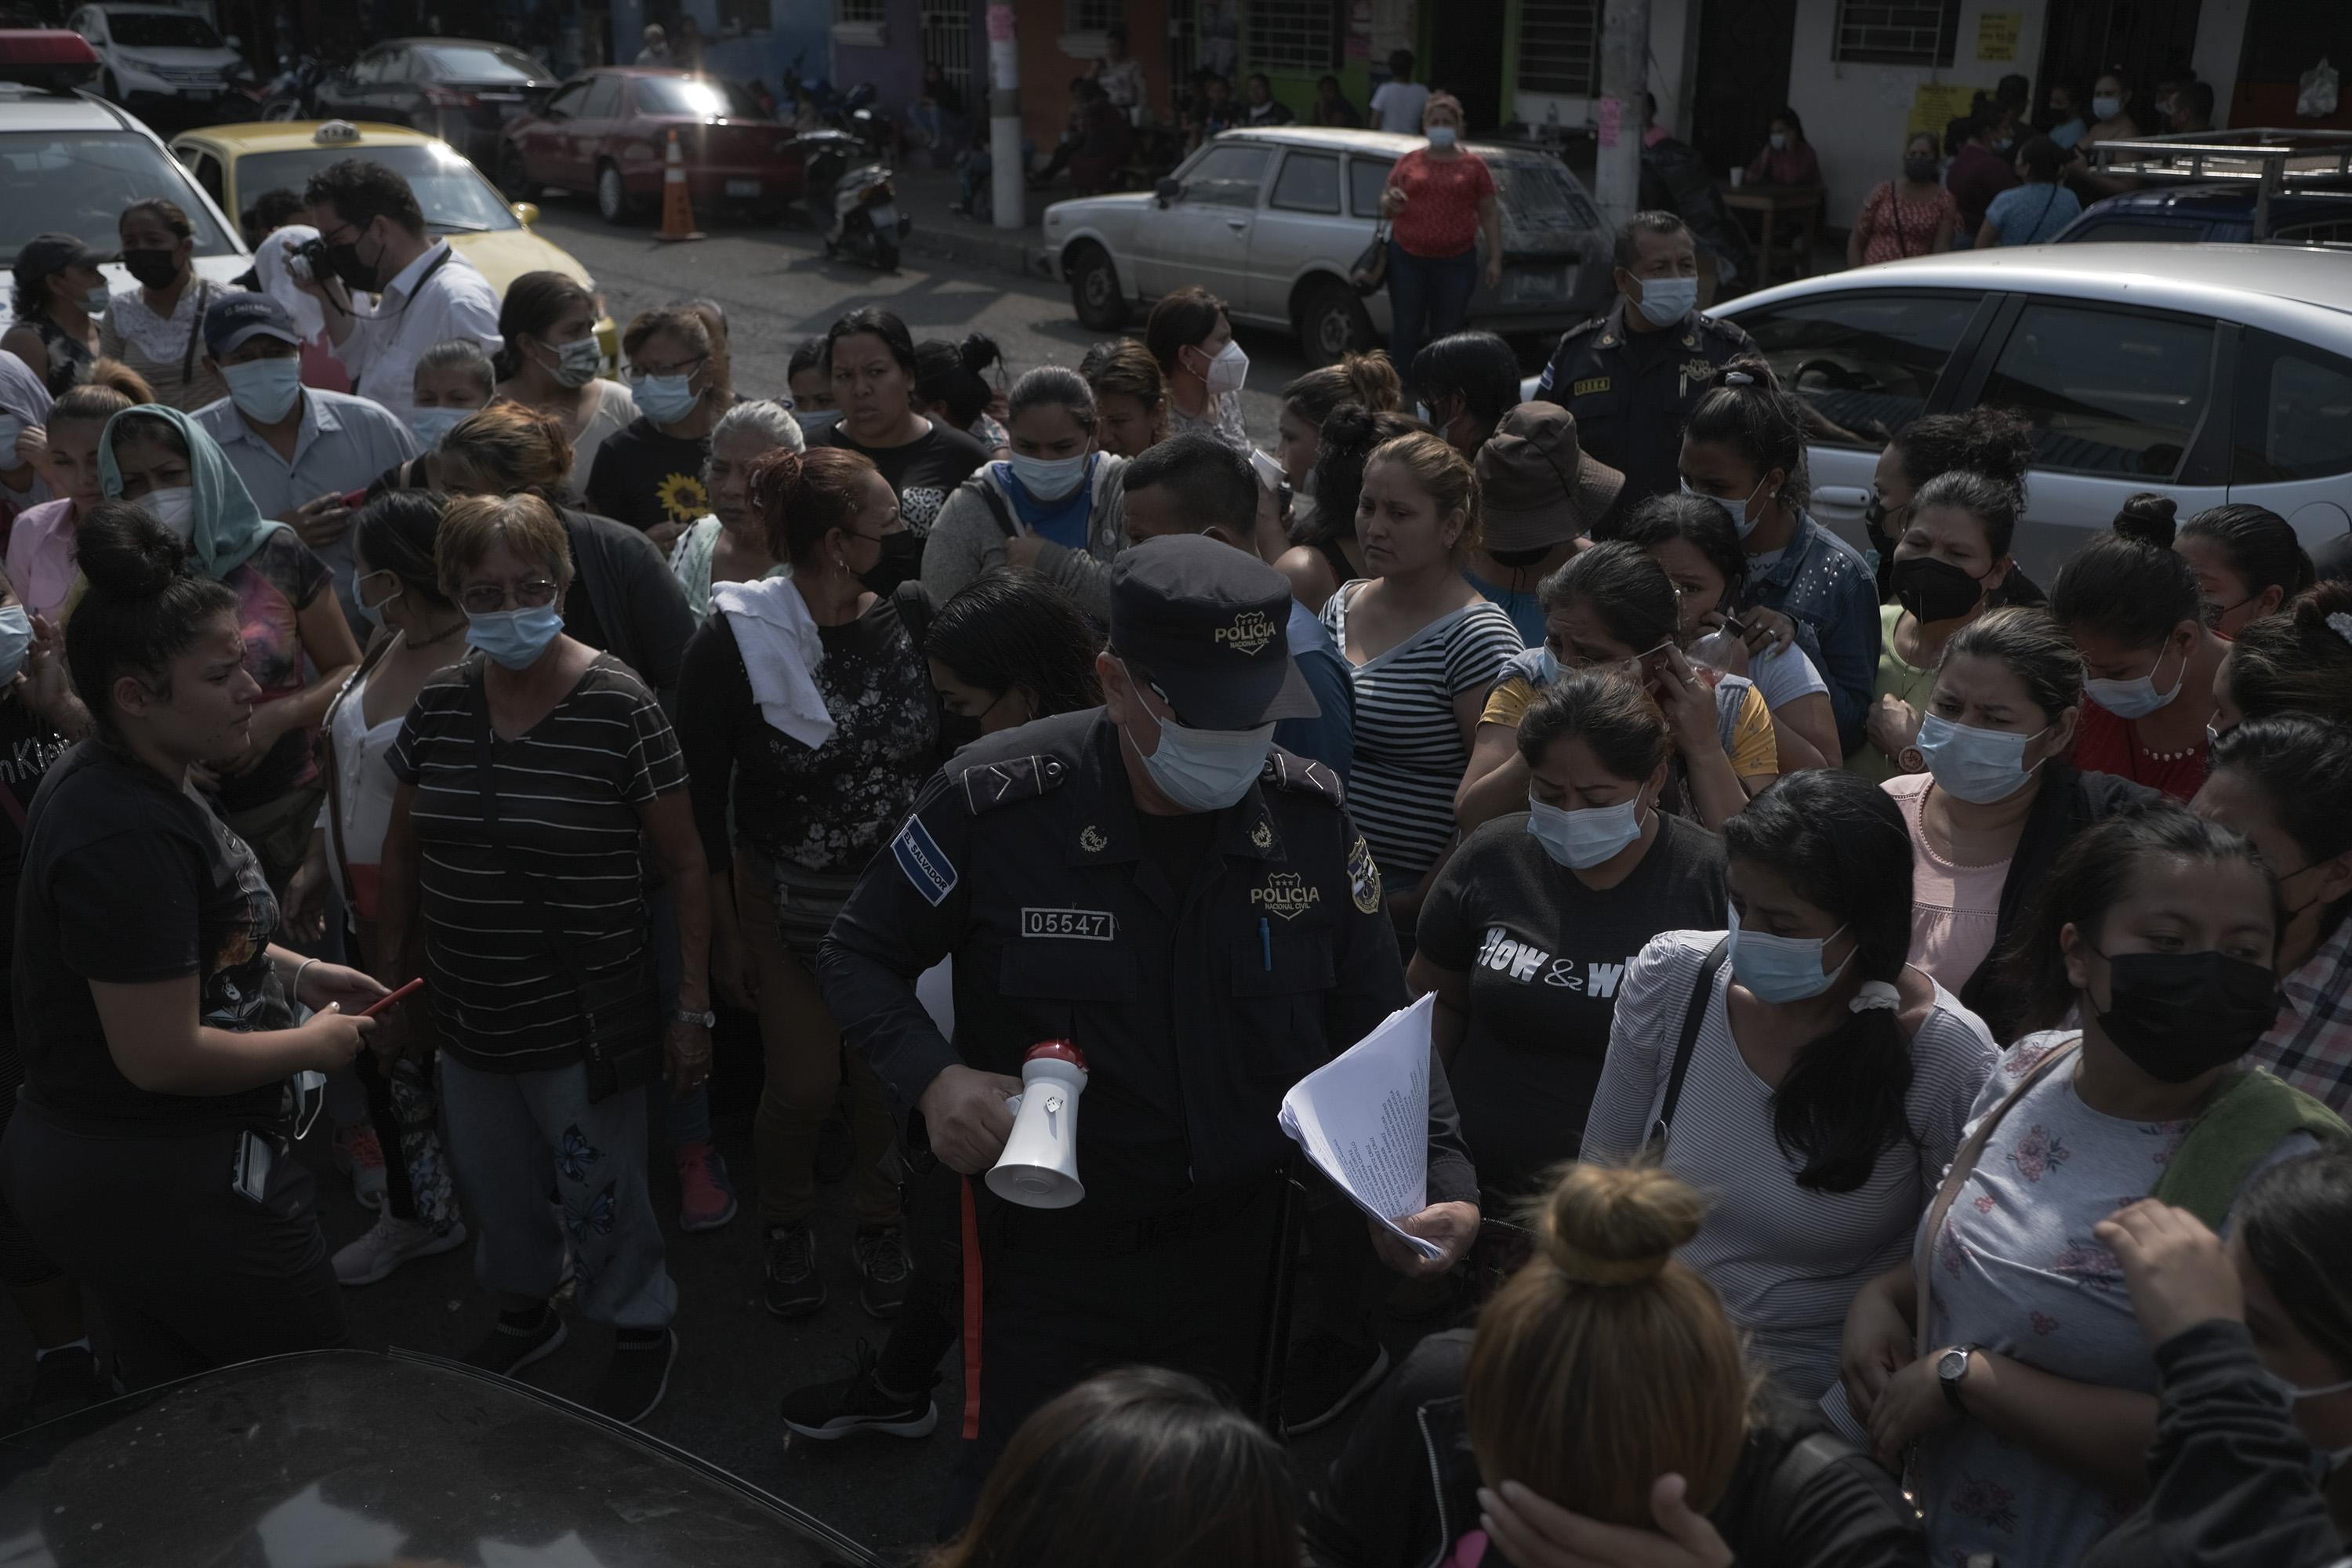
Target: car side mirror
x: 526, y: 213
x: 234, y: 42
x: 1167, y: 190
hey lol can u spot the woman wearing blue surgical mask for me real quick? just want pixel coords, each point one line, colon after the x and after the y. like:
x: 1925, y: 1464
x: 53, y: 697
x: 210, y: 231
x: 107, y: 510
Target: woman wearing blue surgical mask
x: 529, y: 773
x: 1613, y: 605
x: 2252, y: 1337
x: 452, y: 381
x: 552, y: 362
x: 1533, y: 919
x: 1057, y: 506
x: 1439, y: 202
x: 870, y: 357
x: 1825, y: 1083
x: 1997, y: 1357
x: 731, y: 545
x: 2132, y: 605
x: 298, y: 646
x: 650, y: 475
x: 1990, y: 797
x: 423, y: 632
x: 1744, y: 449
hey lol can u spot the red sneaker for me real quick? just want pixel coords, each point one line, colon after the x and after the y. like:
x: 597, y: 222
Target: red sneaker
x: 706, y: 1199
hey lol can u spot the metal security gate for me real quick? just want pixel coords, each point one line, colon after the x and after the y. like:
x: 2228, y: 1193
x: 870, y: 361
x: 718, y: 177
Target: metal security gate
x: 947, y: 44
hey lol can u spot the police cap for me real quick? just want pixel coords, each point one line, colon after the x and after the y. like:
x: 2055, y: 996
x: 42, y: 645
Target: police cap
x: 1209, y: 626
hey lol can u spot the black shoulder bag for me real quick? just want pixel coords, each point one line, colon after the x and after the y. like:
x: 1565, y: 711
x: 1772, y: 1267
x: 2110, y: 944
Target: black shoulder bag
x: 619, y: 1012
x: 1693, y: 1016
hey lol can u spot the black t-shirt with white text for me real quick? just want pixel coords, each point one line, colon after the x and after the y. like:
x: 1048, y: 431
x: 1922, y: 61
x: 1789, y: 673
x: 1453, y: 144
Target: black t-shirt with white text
x: 1545, y: 953
x: 924, y: 472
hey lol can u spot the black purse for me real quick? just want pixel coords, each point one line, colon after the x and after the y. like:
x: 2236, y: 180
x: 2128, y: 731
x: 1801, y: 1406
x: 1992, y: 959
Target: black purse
x: 1371, y: 272
x: 621, y: 1013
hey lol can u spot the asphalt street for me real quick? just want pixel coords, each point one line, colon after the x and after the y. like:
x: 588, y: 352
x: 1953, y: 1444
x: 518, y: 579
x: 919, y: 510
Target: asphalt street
x: 779, y: 288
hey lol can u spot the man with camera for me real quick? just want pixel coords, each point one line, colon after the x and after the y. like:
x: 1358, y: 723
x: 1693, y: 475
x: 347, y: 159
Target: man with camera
x: 371, y: 239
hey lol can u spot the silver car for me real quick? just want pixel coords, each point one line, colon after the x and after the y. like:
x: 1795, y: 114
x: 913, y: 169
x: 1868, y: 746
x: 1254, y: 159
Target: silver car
x: 1271, y: 221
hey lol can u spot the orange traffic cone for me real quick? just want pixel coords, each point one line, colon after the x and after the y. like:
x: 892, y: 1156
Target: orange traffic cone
x: 678, y: 206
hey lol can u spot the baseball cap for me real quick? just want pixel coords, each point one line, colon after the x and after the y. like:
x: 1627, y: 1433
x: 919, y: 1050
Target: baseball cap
x: 1538, y: 487
x: 1209, y: 627
x: 45, y: 254
x: 234, y: 318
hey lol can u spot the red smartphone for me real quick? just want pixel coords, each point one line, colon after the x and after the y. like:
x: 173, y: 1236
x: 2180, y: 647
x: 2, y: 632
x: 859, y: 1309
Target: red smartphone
x: 386, y: 1002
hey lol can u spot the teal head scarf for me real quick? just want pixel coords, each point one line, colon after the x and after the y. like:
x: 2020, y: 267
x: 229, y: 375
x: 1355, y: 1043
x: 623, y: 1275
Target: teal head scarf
x: 229, y: 529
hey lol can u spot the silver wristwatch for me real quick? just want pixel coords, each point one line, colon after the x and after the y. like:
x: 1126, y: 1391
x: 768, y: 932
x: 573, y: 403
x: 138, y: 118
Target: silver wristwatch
x: 699, y: 1020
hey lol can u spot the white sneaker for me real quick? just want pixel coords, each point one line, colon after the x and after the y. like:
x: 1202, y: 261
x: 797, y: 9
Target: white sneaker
x: 359, y: 1154
x: 392, y: 1243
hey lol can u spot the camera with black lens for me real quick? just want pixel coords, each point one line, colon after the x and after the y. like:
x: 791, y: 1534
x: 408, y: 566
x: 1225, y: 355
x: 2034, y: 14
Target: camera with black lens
x: 312, y: 253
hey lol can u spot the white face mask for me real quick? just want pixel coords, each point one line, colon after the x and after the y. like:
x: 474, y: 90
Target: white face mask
x: 1980, y: 766
x: 1736, y: 510
x: 577, y: 362
x: 2106, y: 108
x: 1227, y: 371
x: 1442, y: 137
x: 1584, y: 838
x: 265, y: 390
x: 2137, y: 698
x: 815, y: 422
x: 15, y: 639
x: 1202, y: 770
x: 1049, y: 478
x: 372, y: 614
x: 1780, y: 140
x: 1666, y: 300
x: 94, y: 303
x: 175, y: 509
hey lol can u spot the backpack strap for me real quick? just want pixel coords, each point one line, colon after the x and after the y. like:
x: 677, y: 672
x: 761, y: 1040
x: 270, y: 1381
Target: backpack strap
x: 978, y: 485
x: 2246, y: 1119
x: 1693, y: 1016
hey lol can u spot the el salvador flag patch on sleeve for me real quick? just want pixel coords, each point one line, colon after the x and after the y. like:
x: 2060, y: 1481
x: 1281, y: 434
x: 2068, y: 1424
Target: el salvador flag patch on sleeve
x: 933, y: 875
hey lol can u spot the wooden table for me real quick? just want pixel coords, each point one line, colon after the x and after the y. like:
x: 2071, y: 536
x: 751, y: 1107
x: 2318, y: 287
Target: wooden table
x: 1774, y: 202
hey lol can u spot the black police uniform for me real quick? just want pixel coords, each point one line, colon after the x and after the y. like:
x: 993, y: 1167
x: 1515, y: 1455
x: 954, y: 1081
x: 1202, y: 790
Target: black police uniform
x: 1631, y: 392
x: 1203, y: 963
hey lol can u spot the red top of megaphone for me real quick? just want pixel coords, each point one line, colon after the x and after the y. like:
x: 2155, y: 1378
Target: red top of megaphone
x: 1061, y: 1049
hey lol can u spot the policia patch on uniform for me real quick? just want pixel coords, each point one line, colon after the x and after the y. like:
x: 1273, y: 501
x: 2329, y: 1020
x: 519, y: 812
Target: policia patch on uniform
x: 1363, y: 877
x: 927, y: 867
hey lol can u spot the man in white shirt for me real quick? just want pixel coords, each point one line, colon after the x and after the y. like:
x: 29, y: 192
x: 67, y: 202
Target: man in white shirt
x: 374, y: 233
x: 1398, y: 102
x: 299, y: 450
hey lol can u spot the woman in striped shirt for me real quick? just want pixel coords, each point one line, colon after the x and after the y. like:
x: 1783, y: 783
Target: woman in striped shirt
x: 1828, y: 1081
x: 1423, y: 648
x: 527, y: 774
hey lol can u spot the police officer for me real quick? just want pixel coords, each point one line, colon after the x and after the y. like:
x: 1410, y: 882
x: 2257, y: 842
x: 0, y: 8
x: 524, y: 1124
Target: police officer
x: 1632, y: 376
x: 1192, y: 908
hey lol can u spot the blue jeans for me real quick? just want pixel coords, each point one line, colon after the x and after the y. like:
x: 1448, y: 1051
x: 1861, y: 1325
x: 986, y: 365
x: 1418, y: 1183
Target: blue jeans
x: 1428, y: 297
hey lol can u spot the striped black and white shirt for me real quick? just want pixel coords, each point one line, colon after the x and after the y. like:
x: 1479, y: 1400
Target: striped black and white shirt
x: 569, y: 790
x: 1787, y: 1260
x: 1410, y: 754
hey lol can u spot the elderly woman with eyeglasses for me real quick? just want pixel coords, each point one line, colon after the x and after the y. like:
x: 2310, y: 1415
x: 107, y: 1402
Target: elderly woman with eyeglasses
x: 527, y: 774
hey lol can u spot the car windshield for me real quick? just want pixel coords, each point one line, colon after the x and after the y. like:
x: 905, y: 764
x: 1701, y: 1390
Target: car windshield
x: 1543, y: 209
x: 695, y: 95
x: 455, y: 196
x: 483, y: 63
x: 158, y: 30
x: 78, y: 182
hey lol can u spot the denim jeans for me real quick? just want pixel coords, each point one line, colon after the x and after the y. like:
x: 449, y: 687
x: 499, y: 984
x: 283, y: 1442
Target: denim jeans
x: 1428, y: 297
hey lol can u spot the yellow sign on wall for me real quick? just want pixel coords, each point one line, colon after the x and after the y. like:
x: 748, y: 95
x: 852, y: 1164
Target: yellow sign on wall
x: 1996, y: 33
x: 1936, y: 104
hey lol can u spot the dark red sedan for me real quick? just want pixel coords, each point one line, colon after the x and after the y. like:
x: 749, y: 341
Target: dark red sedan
x: 606, y: 133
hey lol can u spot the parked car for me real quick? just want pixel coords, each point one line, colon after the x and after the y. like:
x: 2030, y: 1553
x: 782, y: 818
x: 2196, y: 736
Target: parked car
x: 1271, y: 221
x: 2214, y: 373
x: 158, y: 54
x: 70, y: 162
x: 463, y: 90
x: 2202, y: 213
x: 607, y: 134
x: 235, y: 163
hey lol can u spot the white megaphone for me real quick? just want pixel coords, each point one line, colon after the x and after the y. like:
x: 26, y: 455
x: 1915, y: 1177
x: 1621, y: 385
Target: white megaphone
x: 1039, y: 1167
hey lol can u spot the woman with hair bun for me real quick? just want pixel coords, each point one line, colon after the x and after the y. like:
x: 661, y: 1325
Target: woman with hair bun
x: 952, y: 389
x: 1984, y: 440
x: 150, y: 1153
x: 2132, y: 605
x: 808, y: 723
x: 1369, y: 381
x: 1601, y: 1411
x: 1325, y: 552
x: 2299, y: 661
x: 2248, y: 563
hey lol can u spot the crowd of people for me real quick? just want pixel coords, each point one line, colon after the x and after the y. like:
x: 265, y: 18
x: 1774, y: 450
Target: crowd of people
x: 1865, y: 994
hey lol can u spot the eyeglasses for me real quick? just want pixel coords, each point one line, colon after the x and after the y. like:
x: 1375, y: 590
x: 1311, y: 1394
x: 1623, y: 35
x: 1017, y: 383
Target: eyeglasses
x: 638, y: 373
x: 489, y: 598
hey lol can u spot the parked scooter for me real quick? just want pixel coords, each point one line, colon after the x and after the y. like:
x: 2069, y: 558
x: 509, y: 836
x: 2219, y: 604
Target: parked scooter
x: 867, y: 223
x: 293, y: 92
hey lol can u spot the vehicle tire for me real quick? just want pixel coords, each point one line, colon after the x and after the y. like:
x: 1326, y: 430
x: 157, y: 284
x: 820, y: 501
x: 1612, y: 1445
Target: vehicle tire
x: 1331, y: 323
x: 514, y: 184
x: 613, y: 202
x: 283, y: 107
x: 1094, y: 292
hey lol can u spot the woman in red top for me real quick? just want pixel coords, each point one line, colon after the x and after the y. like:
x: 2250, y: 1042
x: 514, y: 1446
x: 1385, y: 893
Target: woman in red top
x: 1788, y: 159
x: 1914, y: 216
x: 1438, y: 198
x: 2133, y: 609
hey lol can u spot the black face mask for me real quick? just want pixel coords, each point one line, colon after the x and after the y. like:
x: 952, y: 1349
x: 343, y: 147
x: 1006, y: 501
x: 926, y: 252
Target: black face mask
x: 1873, y: 514
x: 1522, y: 559
x: 957, y: 731
x: 153, y: 269
x: 358, y: 276
x: 2179, y: 1016
x: 1920, y: 170
x: 1934, y: 590
x: 902, y: 558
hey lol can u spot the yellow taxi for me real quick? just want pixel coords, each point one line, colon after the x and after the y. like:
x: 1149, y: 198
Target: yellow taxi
x: 235, y: 163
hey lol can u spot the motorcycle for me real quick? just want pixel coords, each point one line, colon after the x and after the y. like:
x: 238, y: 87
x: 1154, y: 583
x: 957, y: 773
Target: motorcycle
x: 866, y: 222
x: 292, y: 93
x: 826, y: 156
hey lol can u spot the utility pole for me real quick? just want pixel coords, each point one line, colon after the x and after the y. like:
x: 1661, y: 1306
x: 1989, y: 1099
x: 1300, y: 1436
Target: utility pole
x: 1624, y: 78
x: 1008, y: 170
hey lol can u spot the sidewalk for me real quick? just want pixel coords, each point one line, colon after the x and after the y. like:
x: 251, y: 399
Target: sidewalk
x: 928, y: 196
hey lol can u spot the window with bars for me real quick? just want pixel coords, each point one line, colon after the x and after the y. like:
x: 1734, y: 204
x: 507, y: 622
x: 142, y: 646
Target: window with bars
x: 1560, y: 47
x: 1089, y: 16
x: 947, y: 44
x: 1898, y: 32
x: 858, y: 10
x: 1295, y: 34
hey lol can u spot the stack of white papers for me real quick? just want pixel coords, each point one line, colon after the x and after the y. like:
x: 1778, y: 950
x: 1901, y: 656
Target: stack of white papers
x: 1364, y: 1119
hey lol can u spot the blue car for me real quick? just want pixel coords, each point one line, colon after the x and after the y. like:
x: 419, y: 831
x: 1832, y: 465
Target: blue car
x: 2222, y: 214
